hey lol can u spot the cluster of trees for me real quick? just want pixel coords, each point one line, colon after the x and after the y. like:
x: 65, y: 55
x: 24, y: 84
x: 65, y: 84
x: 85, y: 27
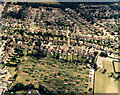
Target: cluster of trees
x: 88, y: 17
x: 20, y: 86
x: 42, y: 89
x: 106, y: 17
x: 40, y: 54
x: 59, y: 23
x: 4, y: 38
x: 103, y: 54
x: 37, y: 5
x: 114, y: 7
x: 18, y: 15
x: 72, y: 5
x: 19, y: 51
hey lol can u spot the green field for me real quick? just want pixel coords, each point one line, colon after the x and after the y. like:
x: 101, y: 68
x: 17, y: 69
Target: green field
x: 108, y: 66
x: 105, y: 84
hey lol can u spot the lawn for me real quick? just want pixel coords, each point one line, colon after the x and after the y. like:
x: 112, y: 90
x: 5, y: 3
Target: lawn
x: 108, y: 66
x: 105, y: 84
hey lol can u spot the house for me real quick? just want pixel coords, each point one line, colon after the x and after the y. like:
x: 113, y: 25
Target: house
x: 3, y: 71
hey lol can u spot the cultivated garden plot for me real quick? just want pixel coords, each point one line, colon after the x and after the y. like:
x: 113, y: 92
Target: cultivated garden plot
x: 56, y: 75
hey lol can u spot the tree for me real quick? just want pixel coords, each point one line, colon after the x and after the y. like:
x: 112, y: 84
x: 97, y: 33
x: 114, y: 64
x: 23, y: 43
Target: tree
x: 92, y: 22
x: 15, y: 76
x: 44, y: 91
x: 112, y: 33
x: 104, y: 71
x: 111, y: 74
x: 69, y: 34
x: 95, y: 66
x: 39, y: 33
x: 29, y: 86
x: 16, y: 40
x: 118, y: 77
x: 58, y: 55
x: 90, y: 89
x: 104, y: 54
x: 18, y: 87
x: 95, y: 53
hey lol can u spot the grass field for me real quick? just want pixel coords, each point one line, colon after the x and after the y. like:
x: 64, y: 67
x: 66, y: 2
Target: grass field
x: 108, y: 65
x: 105, y: 84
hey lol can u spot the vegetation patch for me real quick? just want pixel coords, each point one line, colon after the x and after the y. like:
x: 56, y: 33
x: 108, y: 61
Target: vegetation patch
x: 58, y: 77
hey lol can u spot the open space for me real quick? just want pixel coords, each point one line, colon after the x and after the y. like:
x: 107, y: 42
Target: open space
x: 108, y: 66
x: 105, y: 84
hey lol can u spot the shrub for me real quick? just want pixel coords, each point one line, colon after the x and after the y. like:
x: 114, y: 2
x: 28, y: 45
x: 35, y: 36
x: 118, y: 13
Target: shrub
x: 104, y: 71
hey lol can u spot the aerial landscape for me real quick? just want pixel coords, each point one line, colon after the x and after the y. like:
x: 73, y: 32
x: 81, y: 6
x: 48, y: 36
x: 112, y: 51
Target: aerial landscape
x: 59, y: 48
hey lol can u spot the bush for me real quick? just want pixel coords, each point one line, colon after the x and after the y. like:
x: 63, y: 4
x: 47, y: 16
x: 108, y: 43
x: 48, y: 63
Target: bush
x: 104, y: 71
